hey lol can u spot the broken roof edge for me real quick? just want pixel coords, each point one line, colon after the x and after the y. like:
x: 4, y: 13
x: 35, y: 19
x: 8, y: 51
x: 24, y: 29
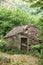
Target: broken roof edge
x: 6, y: 36
x: 18, y: 30
x: 11, y: 35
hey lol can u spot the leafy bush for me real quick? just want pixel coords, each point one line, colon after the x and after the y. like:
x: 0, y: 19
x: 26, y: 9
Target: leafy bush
x: 2, y: 43
x: 10, y: 19
x: 41, y: 58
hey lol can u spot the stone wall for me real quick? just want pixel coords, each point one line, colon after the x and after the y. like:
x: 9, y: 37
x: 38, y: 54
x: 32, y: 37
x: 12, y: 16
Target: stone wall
x: 15, y: 41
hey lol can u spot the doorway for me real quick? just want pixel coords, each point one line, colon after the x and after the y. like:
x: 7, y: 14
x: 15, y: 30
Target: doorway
x: 24, y: 44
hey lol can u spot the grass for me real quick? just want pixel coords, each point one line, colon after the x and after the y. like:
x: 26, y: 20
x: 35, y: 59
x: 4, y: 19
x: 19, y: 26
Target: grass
x: 17, y: 59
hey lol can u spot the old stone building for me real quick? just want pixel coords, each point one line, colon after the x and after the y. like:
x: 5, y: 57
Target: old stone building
x: 23, y: 37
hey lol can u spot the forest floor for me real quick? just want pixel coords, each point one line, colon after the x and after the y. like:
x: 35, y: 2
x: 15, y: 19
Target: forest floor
x: 19, y: 59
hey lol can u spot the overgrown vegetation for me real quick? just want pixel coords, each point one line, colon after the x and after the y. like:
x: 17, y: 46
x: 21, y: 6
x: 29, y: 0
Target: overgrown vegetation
x: 12, y: 18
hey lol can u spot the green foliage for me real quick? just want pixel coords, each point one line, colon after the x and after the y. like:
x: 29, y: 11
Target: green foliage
x: 36, y: 46
x: 10, y: 19
x: 40, y: 62
x: 35, y: 3
x: 2, y: 43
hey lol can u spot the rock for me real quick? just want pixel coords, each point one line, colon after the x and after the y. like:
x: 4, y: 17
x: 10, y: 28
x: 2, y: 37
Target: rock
x: 7, y: 59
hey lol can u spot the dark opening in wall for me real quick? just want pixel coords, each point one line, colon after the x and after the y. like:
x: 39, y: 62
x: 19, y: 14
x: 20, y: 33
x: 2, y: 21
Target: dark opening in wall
x: 24, y: 44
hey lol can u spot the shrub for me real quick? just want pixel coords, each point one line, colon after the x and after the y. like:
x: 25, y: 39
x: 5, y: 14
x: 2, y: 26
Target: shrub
x: 3, y: 44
